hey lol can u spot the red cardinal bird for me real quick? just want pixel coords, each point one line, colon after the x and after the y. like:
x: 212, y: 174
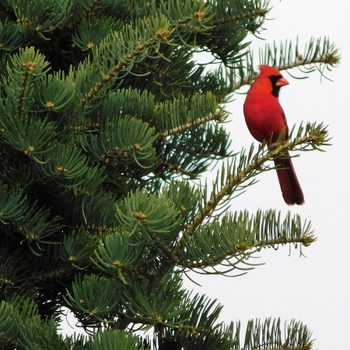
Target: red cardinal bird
x: 266, y: 121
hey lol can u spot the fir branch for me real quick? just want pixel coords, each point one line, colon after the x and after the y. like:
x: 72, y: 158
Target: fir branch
x: 20, y: 104
x: 270, y: 334
x: 29, y: 67
x: 24, y: 68
x: 287, y: 56
x: 198, y: 321
x: 311, y: 137
x: 162, y: 34
x: 315, y: 137
x: 249, y: 249
x: 176, y: 169
x: 116, y: 339
x: 164, y: 249
x: 329, y: 59
x: 189, y: 330
x: 260, y: 12
x: 156, y: 70
x: 92, y: 7
x: 85, y: 129
x: 54, y: 274
x: 217, y: 116
x: 299, y: 62
x: 230, y: 242
x: 107, y: 77
x: 304, y: 240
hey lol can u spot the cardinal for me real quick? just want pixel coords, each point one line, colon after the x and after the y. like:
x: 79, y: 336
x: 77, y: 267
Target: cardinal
x: 266, y: 122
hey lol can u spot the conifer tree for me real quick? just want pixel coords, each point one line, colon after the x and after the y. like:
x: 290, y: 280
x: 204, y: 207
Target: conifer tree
x: 106, y: 118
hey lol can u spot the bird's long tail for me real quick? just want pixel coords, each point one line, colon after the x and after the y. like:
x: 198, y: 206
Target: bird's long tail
x: 290, y: 187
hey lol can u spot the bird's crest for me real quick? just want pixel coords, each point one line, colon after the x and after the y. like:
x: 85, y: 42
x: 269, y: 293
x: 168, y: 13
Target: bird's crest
x: 268, y: 70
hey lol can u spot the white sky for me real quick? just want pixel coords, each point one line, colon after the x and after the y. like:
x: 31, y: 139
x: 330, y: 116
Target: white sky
x: 313, y: 289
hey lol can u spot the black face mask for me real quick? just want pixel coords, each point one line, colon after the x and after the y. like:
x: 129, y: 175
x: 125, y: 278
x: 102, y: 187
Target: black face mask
x: 275, y: 89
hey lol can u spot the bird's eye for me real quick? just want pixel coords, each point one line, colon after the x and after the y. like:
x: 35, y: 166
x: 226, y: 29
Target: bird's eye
x: 275, y: 78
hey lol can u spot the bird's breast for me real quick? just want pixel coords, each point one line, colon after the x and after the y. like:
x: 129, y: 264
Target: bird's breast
x: 264, y: 117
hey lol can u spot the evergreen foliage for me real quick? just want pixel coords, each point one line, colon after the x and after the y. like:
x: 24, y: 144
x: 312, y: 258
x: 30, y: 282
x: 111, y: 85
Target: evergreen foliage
x: 105, y: 120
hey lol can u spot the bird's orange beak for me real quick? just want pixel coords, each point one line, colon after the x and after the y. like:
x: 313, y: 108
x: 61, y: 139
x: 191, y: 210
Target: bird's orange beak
x: 282, y: 82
